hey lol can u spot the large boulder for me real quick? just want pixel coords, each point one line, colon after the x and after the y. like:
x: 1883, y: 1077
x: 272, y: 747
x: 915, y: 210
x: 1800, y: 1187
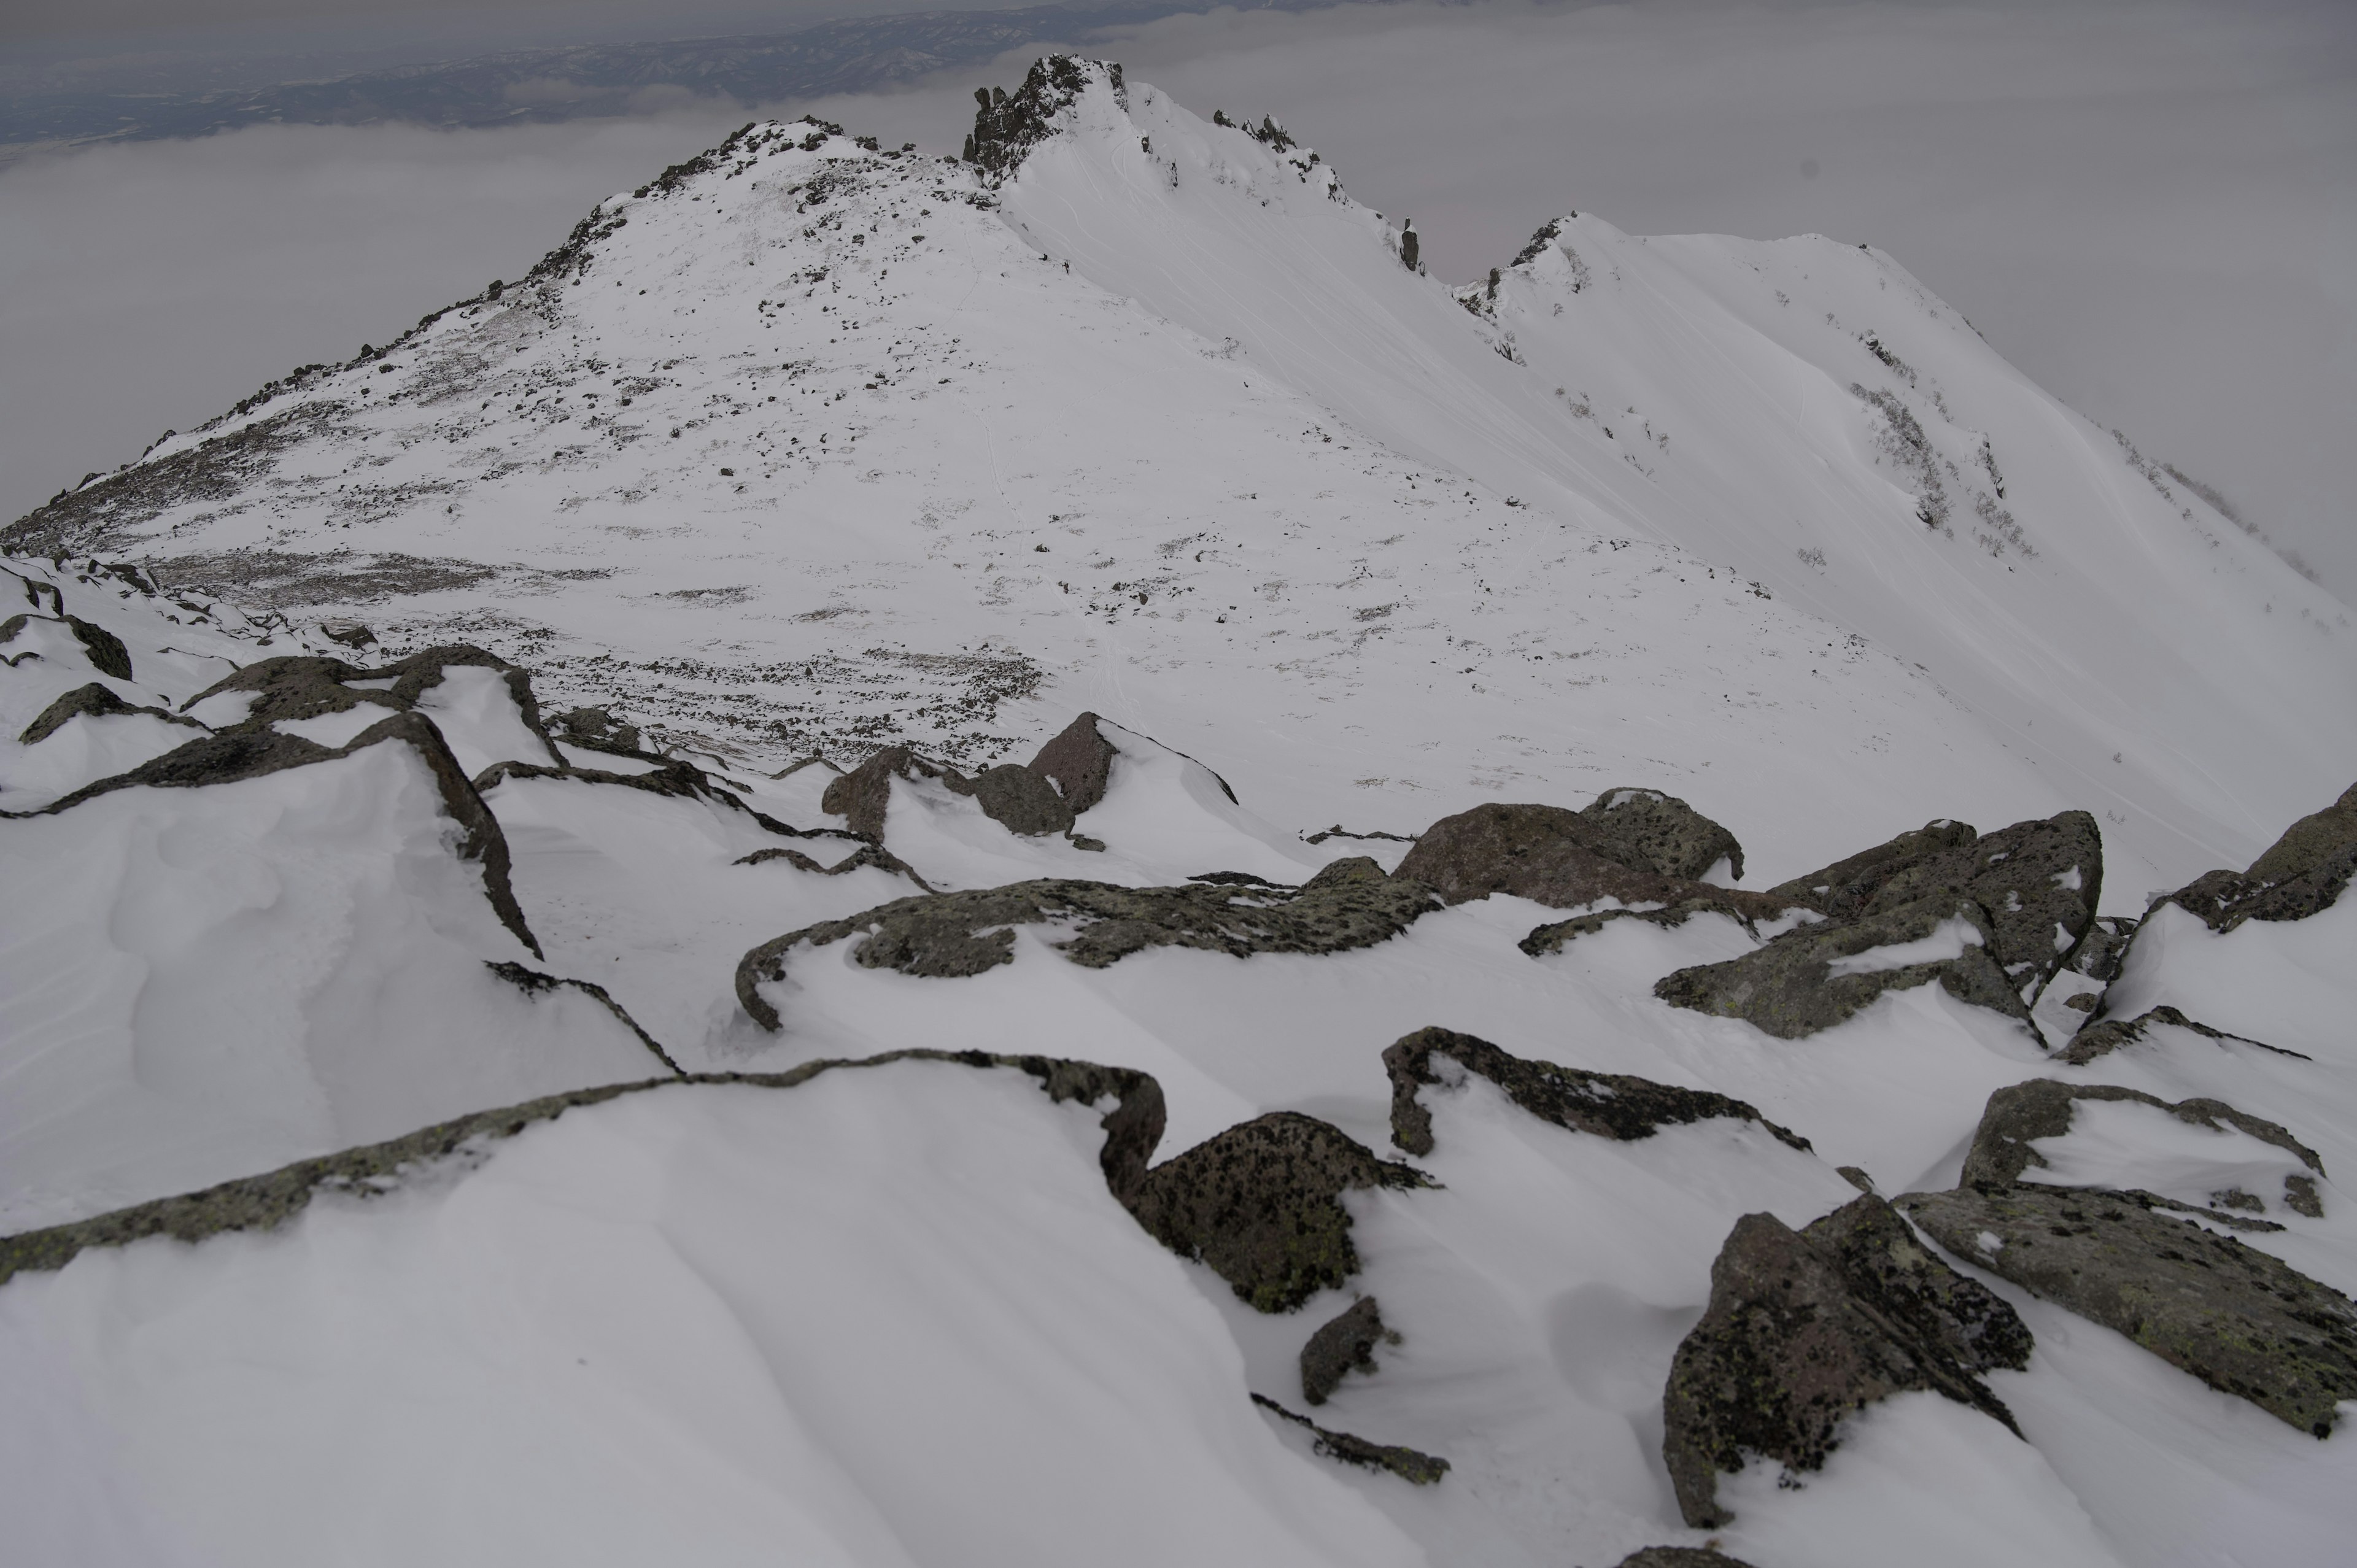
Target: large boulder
x: 1634, y: 845
x: 1260, y: 1205
x: 1815, y: 977
x: 1346, y: 1343
x: 2302, y: 872
x: 1603, y: 1104
x: 1804, y: 1327
x: 1079, y: 762
x: 1843, y: 890
x: 2244, y: 1322
x: 1350, y: 904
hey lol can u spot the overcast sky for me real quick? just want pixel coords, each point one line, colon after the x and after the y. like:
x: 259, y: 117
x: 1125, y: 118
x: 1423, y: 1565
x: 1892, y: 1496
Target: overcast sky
x: 2150, y: 208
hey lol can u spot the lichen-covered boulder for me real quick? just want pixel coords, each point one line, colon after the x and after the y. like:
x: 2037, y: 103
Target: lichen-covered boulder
x: 1815, y: 977
x: 1568, y: 859
x: 1804, y: 1327
x: 1261, y: 1206
x: 1843, y: 890
x: 1660, y: 834
x: 2302, y: 872
x: 93, y: 701
x: 1604, y: 1104
x: 2003, y: 1151
x: 1350, y: 904
x: 2240, y: 1320
x: 1345, y: 1344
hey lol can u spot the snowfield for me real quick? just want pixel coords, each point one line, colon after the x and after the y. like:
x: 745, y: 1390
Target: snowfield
x: 1403, y: 847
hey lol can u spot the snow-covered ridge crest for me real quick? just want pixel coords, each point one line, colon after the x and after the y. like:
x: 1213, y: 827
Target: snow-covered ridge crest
x: 813, y: 445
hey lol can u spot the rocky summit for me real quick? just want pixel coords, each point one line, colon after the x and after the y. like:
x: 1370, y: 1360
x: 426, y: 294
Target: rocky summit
x: 1031, y: 857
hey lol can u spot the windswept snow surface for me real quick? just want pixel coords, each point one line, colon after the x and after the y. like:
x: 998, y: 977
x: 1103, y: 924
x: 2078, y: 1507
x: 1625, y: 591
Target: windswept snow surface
x: 813, y: 446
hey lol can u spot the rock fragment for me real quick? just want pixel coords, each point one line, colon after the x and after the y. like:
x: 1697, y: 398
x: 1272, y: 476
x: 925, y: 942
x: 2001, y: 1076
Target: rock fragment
x: 1409, y: 1464
x: 2302, y: 873
x: 1346, y: 1343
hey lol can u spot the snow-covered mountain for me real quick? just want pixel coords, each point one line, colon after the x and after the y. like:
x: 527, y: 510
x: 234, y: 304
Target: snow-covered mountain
x: 820, y: 485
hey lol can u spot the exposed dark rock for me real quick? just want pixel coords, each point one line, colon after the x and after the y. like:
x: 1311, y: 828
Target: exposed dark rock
x: 1659, y: 833
x: 2242, y: 1321
x: 1350, y: 904
x: 1241, y: 879
x: 1347, y: 1342
x: 1409, y: 1464
x: 264, y: 1202
x: 1790, y: 987
x: 596, y: 730
x: 1681, y: 1557
x: 2302, y: 874
x: 1021, y: 801
x: 251, y: 753
x: 107, y: 654
x: 2110, y: 1035
x: 350, y: 633
x: 1844, y: 890
x: 1571, y: 859
x: 532, y: 983
x: 1804, y: 1327
x: 303, y: 686
x: 1079, y: 761
x: 2041, y: 1108
x: 1606, y: 1104
x: 1552, y: 936
x: 93, y: 701
x: 1338, y: 832
x: 1260, y: 1205
x: 1008, y: 125
x: 2099, y: 952
x: 862, y: 795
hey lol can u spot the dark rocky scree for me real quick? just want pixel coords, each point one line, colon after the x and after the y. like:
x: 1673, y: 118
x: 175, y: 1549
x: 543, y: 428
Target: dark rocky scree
x: 2110, y: 1035
x: 1804, y: 1327
x: 2041, y: 1108
x: 2235, y: 1317
x: 1409, y: 1464
x: 2302, y: 872
x: 2029, y: 892
x: 1607, y: 1104
x: 1260, y: 1205
x: 1350, y: 904
x: 1346, y: 1343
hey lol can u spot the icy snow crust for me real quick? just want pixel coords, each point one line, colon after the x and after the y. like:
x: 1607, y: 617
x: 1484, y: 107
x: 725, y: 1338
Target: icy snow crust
x: 893, y: 1315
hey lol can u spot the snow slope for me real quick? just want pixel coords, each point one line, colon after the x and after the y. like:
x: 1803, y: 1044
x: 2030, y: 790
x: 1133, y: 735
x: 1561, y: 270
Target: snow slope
x: 815, y: 447
x: 808, y: 445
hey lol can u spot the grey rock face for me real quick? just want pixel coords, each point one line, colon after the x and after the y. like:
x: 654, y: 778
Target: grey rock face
x: 598, y: 730
x: 1794, y: 986
x: 1260, y: 1205
x: 1079, y: 761
x: 1569, y: 859
x: 2302, y: 872
x: 1604, y: 1104
x: 1804, y: 1327
x: 1843, y: 890
x: 2001, y: 1152
x: 1350, y: 904
x: 93, y: 701
x: 1681, y: 1557
x: 1016, y: 797
x: 1409, y: 1464
x: 1345, y: 1344
x: 2109, y: 1034
x: 862, y: 795
x: 107, y: 654
x: 2240, y: 1320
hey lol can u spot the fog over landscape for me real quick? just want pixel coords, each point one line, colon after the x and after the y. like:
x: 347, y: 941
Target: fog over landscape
x: 2151, y: 208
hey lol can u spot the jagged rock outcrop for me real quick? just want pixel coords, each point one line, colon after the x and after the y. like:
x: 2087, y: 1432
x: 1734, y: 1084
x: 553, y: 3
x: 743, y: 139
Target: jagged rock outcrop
x: 2109, y: 1034
x: 1637, y: 845
x: 1350, y: 904
x: 93, y: 701
x: 1345, y: 1344
x: 1804, y: 1327
x: 2240, y: 1320
x: 1606, y: 1104
x: 1813, y: 978
x: 1079, y: 762
x: 2017, y: 1116
x: 2302, y: 872
x: 1260, y: 1205
x: 1845, y: 889
x: 1409, y: 1464
x: 1006, y: 126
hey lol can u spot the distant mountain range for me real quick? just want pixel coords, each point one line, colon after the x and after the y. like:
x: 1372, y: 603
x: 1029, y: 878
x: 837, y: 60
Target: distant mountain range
x: 530, y: 86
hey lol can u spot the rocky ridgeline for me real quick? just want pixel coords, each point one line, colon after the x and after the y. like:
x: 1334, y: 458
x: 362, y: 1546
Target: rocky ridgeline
x: 1804, y: 1327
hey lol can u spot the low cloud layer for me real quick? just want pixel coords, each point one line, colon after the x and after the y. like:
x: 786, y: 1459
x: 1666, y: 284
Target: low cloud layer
x: 2151, y: 210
